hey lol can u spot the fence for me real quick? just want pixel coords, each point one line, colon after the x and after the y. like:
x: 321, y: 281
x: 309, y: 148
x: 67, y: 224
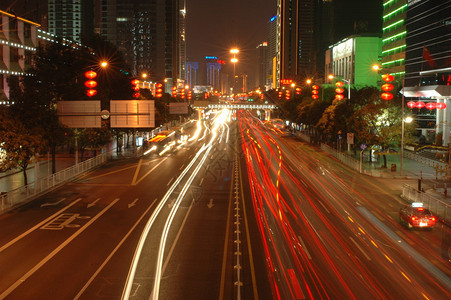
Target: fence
x: 42, y: 185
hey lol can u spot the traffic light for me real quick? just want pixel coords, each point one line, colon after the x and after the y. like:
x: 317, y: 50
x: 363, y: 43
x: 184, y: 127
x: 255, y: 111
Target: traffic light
x: 298, y: 91
x: 135, y: 87
x: 315, y: 91
x: 287, y: 94
x: 339, y: 90
x: 387, y: 87
x: 90, y: 83
x: 158, y: 90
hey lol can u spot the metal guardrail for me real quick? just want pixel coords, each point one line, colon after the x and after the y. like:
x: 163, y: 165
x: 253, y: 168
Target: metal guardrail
x: 425, y: 161
x: 435, y: 205
x: 42, y: 185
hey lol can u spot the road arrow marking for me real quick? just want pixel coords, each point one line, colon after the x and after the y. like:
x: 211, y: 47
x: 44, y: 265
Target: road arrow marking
x: 93, y: 203
x: 133, y: 203
x: 53, y: 203
x: 171, y: 203
x: 210, y: 204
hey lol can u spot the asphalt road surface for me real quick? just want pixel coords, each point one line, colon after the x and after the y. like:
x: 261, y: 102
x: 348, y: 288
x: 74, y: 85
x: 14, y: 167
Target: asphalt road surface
x: 241, y: 210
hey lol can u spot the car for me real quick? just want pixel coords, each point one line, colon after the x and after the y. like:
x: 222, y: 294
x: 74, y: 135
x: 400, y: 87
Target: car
x: 416, y: 216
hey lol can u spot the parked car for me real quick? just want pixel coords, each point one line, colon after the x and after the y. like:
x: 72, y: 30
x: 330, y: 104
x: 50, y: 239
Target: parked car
x: 416, y: 216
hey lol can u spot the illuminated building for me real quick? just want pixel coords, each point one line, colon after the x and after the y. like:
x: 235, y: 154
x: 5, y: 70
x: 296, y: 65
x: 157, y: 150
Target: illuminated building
x: 394, y: 36
x: 352, y: 59
x: 428, y: 66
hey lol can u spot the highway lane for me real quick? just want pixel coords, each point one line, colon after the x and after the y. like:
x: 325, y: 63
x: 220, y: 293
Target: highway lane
x: 194, y: 258
x: 322, y: 236
x: 58, y: 245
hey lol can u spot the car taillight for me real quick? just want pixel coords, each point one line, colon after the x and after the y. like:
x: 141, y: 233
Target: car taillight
x: 413, y: 218
x: 433, y: 219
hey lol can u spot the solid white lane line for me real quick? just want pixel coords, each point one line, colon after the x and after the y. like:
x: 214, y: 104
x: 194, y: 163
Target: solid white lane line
x: 54, y: 252
x: 88, y: 283
x: 38, y: 225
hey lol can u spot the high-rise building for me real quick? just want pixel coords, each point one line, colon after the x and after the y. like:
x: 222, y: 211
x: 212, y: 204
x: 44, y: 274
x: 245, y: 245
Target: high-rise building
x: 71, y: 19
x: 394, y: 37
x: 428, y: 65
x: 151, y: 34
x: 263, y: 65
x: 298, y: 39
x: 273, y: 45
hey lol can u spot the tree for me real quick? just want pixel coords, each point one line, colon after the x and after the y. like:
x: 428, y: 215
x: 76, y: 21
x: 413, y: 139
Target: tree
x: 378, y: 124
x: 19, y: 146
x: 93, y: 138
x: 333, y: 119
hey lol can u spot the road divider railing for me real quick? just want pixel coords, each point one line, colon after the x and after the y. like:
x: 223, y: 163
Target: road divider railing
x: 435, y: 205
x: 44, y: 185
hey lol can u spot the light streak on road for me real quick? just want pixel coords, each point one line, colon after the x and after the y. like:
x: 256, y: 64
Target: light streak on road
x: 217, y: 122
x: 167, y: 226
x: 314, y: 236
x: 145, y: 233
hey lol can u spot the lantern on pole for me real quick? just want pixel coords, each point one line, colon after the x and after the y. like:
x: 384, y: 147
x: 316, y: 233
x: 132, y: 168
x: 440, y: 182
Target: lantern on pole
x: 387, y: 87
x: 135, y: 88
x: 315, y: 91
x: 339, y: 90
x: 90, y: 83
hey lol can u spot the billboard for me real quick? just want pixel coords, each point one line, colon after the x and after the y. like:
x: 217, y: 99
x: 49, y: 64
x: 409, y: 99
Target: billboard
x: 79, y: 114
x: 132, y: 113
x: 178, y: 108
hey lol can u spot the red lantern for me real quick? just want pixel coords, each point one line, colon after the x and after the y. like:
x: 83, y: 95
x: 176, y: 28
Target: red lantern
x: 91, y: 84
x: 91, y: 93
x: 315, y: 87
x: 420, y: 104
x: 388, y: 77
x: 315, y: 92
x: 90, y: 74
x: 387, y: 96
x: 135, y: 82
x: 298, y: 91
x: 136, y: 95
x: 315, y: 97
x: 339, y: 97
x: 430, y: 105
x: 339, y: 84
x: 387, y: 87
x: 440, y: 105
x: 411, y: 104
x: 339, y: 90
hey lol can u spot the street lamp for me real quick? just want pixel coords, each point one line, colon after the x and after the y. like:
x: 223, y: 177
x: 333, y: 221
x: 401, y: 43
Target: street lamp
x: 234, y: 60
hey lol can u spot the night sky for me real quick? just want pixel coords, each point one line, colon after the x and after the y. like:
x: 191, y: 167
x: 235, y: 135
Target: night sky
x: 215, y: 26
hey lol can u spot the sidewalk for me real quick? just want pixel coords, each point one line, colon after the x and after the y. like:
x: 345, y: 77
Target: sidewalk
x: 14, y: 179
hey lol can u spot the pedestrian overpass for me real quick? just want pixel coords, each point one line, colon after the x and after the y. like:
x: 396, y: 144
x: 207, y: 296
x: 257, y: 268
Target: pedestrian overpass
x: 232, y: 106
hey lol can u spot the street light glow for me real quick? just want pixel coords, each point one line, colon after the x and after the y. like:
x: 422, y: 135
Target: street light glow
x: 234, y: 60
x: 234, y: 51
x: 104, y: 64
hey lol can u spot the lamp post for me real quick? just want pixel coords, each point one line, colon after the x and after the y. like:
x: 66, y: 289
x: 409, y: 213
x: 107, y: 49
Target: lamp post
x: 234, y: 60
x: 347, y: 81
x: 378, y: 68
x: 404, y: 120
